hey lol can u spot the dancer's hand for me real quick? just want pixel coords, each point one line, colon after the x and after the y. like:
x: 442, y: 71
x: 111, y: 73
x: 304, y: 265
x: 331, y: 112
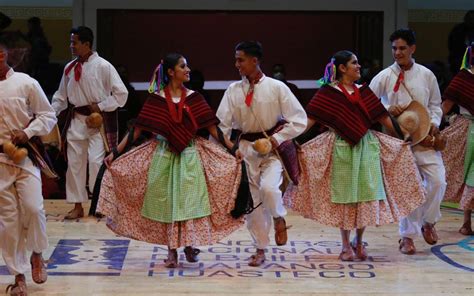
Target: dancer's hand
x: 274, y: 143
x: 239, y: 156
x: 19, y: 137
x: 108, y: 160
x: 396, y: 110
x: 434, y: 130
x: 298, y: 146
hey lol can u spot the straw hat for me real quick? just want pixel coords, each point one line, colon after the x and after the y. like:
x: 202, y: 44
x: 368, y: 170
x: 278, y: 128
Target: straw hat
x: 53, y: 138
x: 415, y: 122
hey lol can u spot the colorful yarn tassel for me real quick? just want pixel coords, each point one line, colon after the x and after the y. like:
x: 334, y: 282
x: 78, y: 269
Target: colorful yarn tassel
x: 157, y: 82
x: 467, y: 59
x: 329, y: 73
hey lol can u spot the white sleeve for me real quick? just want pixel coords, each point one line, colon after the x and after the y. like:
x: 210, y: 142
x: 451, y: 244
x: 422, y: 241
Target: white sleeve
x: 225, y: 114
x: 45, y: 118
x: 379, y: 87
x: 434, y: 103
x: 118, y: 92
x: 59, y: 101
x: 293, y: 113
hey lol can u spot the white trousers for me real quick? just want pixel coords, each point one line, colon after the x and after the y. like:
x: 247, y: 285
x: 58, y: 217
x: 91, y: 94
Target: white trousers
x: 22, y: 217
x: 82, y: 149
x: 430, y: 164
x: 265, y: 178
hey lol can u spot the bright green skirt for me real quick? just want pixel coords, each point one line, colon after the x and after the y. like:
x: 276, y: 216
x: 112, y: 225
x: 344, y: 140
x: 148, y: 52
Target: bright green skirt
x: 469, y: 158
x: 356, y: 171
x: 176, y: 187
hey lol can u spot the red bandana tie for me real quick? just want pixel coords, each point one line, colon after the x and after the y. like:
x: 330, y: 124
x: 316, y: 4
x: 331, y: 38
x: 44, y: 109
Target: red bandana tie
x: 77, y: 65
x: 355, y: 98
x: 249, y: 96
x: 400, y: 79
x: 177, y: 115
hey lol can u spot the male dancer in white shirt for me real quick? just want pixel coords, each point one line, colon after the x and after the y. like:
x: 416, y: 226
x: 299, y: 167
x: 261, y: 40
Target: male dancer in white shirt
x: 259, y: 102
x: 89, y: 84
x: 394, y: 86
x: 25, y: 112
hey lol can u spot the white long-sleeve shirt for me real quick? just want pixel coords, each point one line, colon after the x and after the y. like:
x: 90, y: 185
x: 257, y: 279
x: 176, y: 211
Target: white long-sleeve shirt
x: 272, y: 101
x: 23, y: 106
x: 100, y: 83
x: 420, y: 81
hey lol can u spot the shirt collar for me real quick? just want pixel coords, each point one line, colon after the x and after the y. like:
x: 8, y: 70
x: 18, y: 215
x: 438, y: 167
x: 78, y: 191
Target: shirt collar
x: 9, y: 73
x: 398, y: 69
x: 245, y: 80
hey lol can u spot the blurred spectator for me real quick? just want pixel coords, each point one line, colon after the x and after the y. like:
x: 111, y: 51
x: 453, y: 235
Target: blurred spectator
x: 279, y: 73
x: 132, y: 107
x: 40, y: 48
x: 5, y: 21
x: 440, y: 70
x: 369, y: 68
x: 460, y: 37
x: 196, y: 83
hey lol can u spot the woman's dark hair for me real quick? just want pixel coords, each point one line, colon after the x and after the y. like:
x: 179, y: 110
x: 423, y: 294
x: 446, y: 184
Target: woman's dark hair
x: 84, y: 34
x: 406, y: 34
x: 160, y: 76
x: 341, y: 58
x: 36, y: 30
x: 169, y: 62
x: 331, y: 72
x: 251, y: 48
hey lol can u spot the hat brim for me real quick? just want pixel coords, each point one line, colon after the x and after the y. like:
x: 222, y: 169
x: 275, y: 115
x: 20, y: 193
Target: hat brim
x: 424, y: 122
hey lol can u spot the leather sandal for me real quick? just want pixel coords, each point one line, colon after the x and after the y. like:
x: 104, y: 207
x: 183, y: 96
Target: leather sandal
x: 257, y: 259
x: 281, y: 235
x: 407, y: 246
x: 19, y: 287
x: 429, y: 233
x: 172, y: 260
x: 191, y: 254
x: 359, y: 250
x: 38, y: 269
x: 466, y: 229
x: 347, y: 254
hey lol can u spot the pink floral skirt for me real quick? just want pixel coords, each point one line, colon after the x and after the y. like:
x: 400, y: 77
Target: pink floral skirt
x: 312, y: 197
x: 123, y: 190
x: 453, y: 158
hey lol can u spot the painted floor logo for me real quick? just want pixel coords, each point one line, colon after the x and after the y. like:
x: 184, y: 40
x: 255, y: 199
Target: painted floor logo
x: 88, y: 257
x: 298, y: 259
x: 453, y: 253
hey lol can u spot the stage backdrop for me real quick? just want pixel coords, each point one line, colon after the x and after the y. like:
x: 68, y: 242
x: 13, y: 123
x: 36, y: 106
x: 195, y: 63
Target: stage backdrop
x: 302, y: 41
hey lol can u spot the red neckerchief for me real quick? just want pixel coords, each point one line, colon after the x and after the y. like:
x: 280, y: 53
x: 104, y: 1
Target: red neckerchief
x: 77, y: 65
x: 177, y: 116
x: 355, y: 98
x: 3, y: 75
x: 400, y: 79
x: 249, y: 96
